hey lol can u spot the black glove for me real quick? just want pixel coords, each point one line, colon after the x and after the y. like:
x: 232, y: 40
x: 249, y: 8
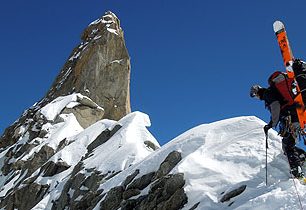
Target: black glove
x: 297, y: 64
x: 267, y: 127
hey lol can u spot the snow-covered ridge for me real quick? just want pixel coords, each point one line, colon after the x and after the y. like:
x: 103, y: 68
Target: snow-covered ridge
x: 63, y: 161
x: 106, y: 146
x: 220, y: 157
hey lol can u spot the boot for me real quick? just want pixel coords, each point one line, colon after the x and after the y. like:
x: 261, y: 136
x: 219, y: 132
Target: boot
x: 297, y: 172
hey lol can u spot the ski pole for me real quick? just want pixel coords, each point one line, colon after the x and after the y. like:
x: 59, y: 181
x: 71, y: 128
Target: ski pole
x: 266, y: 160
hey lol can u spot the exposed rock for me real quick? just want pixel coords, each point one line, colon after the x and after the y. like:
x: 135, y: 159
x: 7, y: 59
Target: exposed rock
x: 194, y: 206
x: 51, y: 168
x: 168, y: 164
x: 113, y: 199
x: 142, y: 182
x: 130, y: 193
x: 26, y: 197
x: 176, y: 201
x: 130, y: 178
x: 151, y: 145
x: 39, y: 158
x: 166, y: 195
x: 23, y: 149
x: 73, y: 184
x: 17, y: 132
x: 8, y: 138
x: 166, y: 191
x: 88, y: 201
x: 85, y: 115
x: 62, y: 144
x: 233, y: 193
x: 85, y: 190
x: 129, y: 204
x: 92, y: 182
x: 98, y: 68
x: 103, y: 137
x: 32, y: 164
x: 87, y: 102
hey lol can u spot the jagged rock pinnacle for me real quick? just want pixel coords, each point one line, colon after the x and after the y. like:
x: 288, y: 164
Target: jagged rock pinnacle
x: 99, y: 67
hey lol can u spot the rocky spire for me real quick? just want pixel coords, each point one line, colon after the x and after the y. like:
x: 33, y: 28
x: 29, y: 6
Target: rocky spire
x: 99, y: 67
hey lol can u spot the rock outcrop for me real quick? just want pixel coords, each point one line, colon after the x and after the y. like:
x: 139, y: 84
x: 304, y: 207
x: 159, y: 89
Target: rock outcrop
x: 98, y: 68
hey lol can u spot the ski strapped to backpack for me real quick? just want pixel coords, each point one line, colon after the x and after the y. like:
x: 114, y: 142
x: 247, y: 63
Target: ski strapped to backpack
x: 289, y: 63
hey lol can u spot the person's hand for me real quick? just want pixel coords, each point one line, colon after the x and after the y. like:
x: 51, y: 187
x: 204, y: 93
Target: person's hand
x: 297, y: 64
x: 266, y: 128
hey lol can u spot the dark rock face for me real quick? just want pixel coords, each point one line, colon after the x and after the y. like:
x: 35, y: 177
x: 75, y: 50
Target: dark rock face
x: 166, y: 191
x: 113, y: 198
x: 142, y: 182
x: 26, y: 197
x: 233, y: 193
x: 51, y: 168
x: 103, y: 137
x: 169, y: 163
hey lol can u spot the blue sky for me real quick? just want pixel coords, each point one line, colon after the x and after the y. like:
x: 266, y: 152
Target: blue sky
x: 193, y: 62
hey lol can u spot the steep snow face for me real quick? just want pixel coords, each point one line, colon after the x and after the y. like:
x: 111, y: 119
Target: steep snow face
x: 223, y: 156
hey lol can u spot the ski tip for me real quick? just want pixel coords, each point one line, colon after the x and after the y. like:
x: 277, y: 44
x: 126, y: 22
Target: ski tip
x: 278, y: 26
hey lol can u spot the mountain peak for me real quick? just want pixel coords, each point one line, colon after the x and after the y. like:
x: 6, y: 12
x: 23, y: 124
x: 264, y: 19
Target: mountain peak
x: 99, y: 67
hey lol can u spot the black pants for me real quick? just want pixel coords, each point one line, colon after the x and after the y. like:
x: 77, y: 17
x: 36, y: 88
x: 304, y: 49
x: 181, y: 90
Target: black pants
x: 296, y: 156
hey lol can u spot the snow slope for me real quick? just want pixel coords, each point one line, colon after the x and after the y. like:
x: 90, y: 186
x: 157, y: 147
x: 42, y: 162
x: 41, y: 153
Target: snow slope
x: 223, y: 156
x: 232, y: 155
x: 217, y: 158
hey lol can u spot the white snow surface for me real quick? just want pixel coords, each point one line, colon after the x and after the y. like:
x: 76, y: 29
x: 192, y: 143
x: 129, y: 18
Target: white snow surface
x: 216, y: 158
x: 223, y: 156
